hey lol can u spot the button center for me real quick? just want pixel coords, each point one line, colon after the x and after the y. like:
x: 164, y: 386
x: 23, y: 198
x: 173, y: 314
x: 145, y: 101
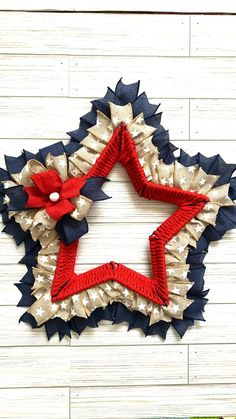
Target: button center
x: 54, y: 196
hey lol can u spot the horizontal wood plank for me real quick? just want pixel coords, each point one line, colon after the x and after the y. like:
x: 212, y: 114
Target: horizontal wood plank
x: 52, y: 65
x: 169, y: 77
x: 96, y: 249
x: 219, y: 317
x: 220, y: 280
x: 39, y: 118
x: 25, y: 75
x: 51, y: 117
x: 122, y: 365
x: 46, y: 403
x: 208, y: 40
x: 15, y: 334
x: 126, y: 204
x: 213, y: 119
x: 212, y: 364
x: 35, y: 366
x: 153, y: 401
x: 130, y: 238
x: 90, y: 366
x: 93, y: 34
x: 133, y: 244
x: 186, y: 6
x: 226, y: 148
x: 10, y: 275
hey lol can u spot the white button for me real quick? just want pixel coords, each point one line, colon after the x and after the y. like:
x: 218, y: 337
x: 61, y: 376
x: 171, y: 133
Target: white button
x: 54, y: 196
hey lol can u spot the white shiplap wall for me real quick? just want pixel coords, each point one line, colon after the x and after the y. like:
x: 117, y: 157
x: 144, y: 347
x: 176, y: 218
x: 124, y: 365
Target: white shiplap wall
x: 51, y: 66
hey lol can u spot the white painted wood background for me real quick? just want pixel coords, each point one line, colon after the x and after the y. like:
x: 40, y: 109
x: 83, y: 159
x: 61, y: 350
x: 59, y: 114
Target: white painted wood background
x: 51, y: 65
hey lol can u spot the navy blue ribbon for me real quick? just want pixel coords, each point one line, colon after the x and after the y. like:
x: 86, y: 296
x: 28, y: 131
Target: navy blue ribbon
x: 70, y: 229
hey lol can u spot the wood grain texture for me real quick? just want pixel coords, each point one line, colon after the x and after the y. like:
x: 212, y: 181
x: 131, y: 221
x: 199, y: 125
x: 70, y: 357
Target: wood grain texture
x: 22, y: 334
x: 225, y: 148
x: 212, y: 364
x: 93, y: 34
x: 133, y: 248
x: 91, y: 366
x: 219, y: 42
x: 38, y: 366
x: 189, y: 6
x: 46, y: 403
x: 220, y: 279
x: 216, y: 78
x: 213, y: 119
x: 33, y: 75
x: 193, y: 77
x: 120, y: 365
x: 52, y: 65
x: 61, y: 115
x: 153, y: 401
x: 9, y: 275
x: 218, y: 316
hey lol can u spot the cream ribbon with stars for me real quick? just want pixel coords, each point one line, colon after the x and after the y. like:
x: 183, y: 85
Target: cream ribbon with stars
x: 42, y: 228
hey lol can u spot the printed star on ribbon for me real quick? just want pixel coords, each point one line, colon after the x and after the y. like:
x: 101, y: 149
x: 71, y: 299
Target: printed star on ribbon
x: 191, y: 182
x: 48, y: 200
x: 121, y: 148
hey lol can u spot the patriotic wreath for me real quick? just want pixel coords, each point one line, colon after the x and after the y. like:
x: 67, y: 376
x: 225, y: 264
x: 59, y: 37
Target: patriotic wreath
x: 45, y: 198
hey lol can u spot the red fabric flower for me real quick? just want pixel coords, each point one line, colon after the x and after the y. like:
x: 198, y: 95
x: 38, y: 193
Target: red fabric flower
x: 52, y: 194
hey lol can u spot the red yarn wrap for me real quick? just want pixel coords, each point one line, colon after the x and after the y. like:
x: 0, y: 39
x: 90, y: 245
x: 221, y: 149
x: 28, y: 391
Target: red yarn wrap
x: 121, y: 148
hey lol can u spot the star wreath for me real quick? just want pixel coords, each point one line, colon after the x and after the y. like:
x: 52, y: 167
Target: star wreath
x: 45, y: 198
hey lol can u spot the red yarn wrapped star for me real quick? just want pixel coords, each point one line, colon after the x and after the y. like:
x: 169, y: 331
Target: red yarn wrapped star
x: 121, y: 148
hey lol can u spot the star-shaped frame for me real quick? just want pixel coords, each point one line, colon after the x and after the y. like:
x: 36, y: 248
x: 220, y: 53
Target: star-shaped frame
x: 121, y: 149
x: 121, y: 127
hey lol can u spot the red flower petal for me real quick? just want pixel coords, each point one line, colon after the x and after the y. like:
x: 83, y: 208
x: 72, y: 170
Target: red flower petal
x: 56, y: 211
x: 71, y: 187
x: 35, y: 199
x: 47, y: 182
